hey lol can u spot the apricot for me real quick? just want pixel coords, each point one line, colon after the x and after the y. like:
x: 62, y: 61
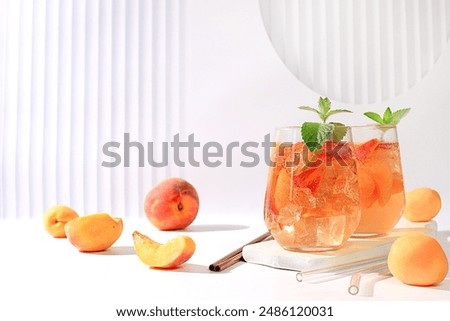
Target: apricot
x: 417, y: 259
x: 422, y: 204
x: 172, y: 204
x: 168, y: 255
x: 56, y: 217
x: 94, y: 232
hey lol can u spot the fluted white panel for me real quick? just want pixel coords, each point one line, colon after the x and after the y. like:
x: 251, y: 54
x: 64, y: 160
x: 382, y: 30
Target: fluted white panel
x: 358, y: 51
x: 74, y: 75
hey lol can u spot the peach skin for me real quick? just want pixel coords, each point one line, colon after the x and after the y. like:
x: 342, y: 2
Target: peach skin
x: 95, y: 232
x: 172, y: 204
x: 422, y: 204
x: 418, y: 259
x: 168, y: 255
x: 56, y: 217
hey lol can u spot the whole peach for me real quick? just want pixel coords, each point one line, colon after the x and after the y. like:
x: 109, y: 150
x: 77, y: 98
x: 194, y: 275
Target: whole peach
x: 172, y: 204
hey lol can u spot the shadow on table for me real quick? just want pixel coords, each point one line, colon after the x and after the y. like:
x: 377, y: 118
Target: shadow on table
x: 197, y: 268
x: 444, y: 285
x: 215, y: 227
x: 444, y: 239
x: 116, y: 250
x: 368, y: 286
x: 187, y: 268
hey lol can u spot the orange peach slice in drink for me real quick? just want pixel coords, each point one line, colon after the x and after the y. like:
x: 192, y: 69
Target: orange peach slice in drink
x: 309, y: 178
x: 168, y: 255
x: 397, y: 183
x: 95, y: 232
x: 270, y: 190
x: 362, y: 152
x: 283, y: 189
x: 382, y: 175
x: 367, y: 188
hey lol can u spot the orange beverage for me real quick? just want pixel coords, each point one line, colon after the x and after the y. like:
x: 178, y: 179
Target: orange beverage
x: 312, y: 198
x: 380, y: 178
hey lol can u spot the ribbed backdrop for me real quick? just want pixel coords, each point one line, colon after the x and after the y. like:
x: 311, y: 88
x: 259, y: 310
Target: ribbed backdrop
x: 75, y: 75
x: 358, y: 51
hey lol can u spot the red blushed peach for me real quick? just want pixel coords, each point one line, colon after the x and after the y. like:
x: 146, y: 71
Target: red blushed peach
x: 172, y: 204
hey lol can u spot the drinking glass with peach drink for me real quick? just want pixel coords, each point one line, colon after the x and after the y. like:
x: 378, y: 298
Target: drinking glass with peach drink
x: 380, y: 178
x: 312, y: 197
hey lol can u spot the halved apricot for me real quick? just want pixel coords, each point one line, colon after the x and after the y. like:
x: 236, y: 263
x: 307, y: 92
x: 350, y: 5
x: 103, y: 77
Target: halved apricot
x: 94, y: 232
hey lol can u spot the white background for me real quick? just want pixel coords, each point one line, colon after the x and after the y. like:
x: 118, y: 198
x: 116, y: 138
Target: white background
x: 240, y: 90
x: 75, y: 75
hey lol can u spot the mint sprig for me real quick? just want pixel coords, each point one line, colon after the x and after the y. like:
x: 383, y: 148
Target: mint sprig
x: 389, y: 118
x: 314, y: 134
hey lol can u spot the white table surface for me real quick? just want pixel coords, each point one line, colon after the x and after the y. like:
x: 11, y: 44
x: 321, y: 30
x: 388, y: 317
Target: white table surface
x: 44, y: 276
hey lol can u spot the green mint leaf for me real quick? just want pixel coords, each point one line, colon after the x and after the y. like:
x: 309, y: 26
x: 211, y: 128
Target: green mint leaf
x: 310, y: 109
x: 387, y: 116
x: 324, y: 105
x: 334, y: 112
x: 324, y: 110
x: 399, y: 114
x: 315, y: 134
x: 375, y: 117
x: 309, y: 135
x: 325, y: 131
x: 340, y: 130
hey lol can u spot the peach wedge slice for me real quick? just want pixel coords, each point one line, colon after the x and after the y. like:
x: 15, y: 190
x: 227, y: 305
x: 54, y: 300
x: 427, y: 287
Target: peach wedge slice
x: 168, y: 255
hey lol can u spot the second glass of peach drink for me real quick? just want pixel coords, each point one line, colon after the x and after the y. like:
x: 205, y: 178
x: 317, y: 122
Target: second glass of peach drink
x: 380, y: 178
x: 312, y: 198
